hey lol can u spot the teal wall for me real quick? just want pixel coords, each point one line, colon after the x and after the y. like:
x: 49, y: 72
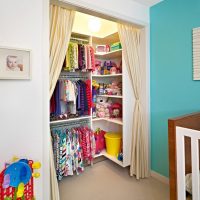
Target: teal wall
x: 173, y: 92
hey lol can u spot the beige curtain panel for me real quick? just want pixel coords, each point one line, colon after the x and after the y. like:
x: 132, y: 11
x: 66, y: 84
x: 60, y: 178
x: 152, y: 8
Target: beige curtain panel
x: 53, y: 177
x: 61, y: 22
x: 130, y: 39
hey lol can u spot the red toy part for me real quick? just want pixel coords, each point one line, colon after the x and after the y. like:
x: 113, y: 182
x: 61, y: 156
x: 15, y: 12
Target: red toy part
x: 10, y: 191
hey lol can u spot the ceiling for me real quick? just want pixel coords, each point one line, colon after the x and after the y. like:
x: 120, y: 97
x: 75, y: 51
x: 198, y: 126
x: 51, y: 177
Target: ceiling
x: 81, y: 26
x: 147, y: 2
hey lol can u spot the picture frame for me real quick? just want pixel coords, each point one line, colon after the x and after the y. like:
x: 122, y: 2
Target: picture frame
x: 15, y: 63
x: 196, y: 53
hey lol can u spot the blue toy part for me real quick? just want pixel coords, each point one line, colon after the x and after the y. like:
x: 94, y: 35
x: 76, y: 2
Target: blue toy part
x: 19, y: 172
x: 24, y: 160
x: 120, y: 157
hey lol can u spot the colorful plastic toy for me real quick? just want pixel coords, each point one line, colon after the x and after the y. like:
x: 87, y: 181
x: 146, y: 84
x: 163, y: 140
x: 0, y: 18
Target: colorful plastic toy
x: 120, y: 157
x: 18, y: 172
x: 16, y: 180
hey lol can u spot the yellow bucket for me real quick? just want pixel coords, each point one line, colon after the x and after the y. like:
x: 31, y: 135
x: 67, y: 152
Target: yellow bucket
x: 113, y: 143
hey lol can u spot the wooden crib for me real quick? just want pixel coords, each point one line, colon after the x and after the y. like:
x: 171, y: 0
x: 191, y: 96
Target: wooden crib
x: 184, y: 133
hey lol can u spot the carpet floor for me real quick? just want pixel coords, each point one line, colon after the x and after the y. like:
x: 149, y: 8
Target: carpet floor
x: 108, y: 181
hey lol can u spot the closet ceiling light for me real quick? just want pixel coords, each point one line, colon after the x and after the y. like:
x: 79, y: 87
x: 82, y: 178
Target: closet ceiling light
x: 94, y: 24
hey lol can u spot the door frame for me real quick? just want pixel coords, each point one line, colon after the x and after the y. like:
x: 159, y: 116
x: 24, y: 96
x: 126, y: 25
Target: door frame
x: 98, y: 12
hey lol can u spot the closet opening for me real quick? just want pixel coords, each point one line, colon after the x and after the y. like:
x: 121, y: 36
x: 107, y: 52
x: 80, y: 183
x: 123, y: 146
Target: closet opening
x: 92, y: 101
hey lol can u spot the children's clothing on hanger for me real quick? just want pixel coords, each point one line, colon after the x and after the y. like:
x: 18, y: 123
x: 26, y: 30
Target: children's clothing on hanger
x: 79, y: 57
x: 72, y: 149
x: 71, y: 97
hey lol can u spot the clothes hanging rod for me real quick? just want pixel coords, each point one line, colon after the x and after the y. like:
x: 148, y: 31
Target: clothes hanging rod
x: 79, y: 39
x: 70, y: 77
x: 75, y: 120
x: 84, y: 75
x: 70, y: 124
x: 73, y: 74
x: 69, y: 127
x: 83, y: 118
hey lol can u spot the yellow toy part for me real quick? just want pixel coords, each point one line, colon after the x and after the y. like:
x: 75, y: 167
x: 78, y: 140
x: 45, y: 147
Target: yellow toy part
x: 95, y: 84
x: 36, y: 165
x: 15, y: 158
x: 36, y: 175
x: 20, y: 190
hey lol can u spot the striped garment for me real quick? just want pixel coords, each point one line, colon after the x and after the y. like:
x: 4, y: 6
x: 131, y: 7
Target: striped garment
x: 72, y: 148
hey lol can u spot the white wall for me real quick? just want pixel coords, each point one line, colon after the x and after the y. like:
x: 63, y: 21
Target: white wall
x: 126, y: 10
x: 21, y: 104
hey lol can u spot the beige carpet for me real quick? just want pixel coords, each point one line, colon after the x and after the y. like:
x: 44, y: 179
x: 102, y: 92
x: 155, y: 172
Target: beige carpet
x: 107, y: 181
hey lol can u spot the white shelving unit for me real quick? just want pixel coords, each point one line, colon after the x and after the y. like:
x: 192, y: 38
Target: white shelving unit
x: 122, y: 125
x: 111, y: 96
x: 112, y: 120
x: 100, y: 154
x: 113, y: 158
x: 106, y: 76
x: 109, y: 55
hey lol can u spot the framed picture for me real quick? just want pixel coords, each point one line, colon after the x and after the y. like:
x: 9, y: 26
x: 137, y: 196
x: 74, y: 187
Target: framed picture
x: 15, y: 63
x: 196, y: 53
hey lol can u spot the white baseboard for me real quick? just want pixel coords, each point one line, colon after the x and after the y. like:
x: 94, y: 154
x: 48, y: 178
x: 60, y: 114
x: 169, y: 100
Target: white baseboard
x: 160, y: 177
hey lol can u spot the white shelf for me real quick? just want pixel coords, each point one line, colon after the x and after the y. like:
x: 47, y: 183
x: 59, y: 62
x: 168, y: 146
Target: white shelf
x: 112, y: 96
x: 98, y: 119
x: 113, y: 120
x: 108, y: 75
x: 113, y: 158
x: 116, y: 121
x: 69, y: 120
x: 99, y: 155
x: 109, y: 55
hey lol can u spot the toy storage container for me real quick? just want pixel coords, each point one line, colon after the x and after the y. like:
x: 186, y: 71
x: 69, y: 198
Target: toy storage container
x: 115, y: 46
x: 113, y: 143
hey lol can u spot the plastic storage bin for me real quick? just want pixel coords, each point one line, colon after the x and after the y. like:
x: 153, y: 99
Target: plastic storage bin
x: 113, y: 143
x: 115, y: 46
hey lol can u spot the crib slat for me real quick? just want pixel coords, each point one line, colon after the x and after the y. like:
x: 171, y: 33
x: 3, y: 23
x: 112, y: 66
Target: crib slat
x: 180, y: 145
x: 195, y: 168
